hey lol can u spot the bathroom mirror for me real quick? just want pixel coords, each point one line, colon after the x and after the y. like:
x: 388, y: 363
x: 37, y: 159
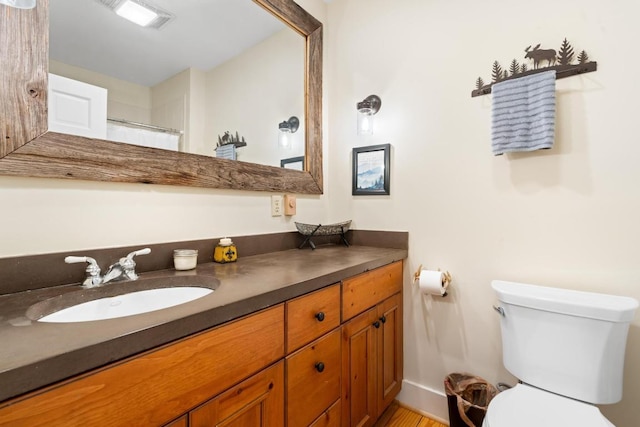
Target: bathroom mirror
x: 251, y: 78
x: 29, y: 150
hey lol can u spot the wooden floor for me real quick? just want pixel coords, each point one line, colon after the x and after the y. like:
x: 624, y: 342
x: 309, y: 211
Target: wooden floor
x: 398, y: 416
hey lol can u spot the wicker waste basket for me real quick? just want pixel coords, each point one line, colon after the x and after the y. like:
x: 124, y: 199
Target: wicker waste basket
x: 468, y: 397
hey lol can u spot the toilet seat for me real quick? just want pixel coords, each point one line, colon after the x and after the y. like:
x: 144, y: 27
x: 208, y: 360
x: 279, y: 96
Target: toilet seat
x: 527, y: 406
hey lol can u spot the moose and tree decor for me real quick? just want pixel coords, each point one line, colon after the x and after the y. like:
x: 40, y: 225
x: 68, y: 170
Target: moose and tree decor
x: 542, y: 60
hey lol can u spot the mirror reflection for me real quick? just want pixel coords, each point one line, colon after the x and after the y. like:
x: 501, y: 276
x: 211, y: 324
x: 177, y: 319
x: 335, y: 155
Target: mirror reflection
x: 213, y: 77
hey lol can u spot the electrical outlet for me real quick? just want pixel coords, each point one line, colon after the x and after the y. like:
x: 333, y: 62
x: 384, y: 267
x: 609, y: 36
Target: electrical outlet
x: 289, y: 204
x: 276, y: 205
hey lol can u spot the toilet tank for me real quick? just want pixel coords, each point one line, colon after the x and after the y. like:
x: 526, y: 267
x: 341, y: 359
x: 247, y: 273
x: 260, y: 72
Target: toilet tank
x: 567, y: 342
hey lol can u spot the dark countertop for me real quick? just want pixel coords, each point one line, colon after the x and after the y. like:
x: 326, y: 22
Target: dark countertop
x: 35, y: 354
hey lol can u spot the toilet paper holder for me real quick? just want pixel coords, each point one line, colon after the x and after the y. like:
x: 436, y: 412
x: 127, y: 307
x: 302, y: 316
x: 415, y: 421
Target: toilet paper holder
x: 446, y: 279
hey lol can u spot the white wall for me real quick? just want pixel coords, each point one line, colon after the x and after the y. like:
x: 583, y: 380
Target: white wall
x: 566, y: 217
x: 270, y: 90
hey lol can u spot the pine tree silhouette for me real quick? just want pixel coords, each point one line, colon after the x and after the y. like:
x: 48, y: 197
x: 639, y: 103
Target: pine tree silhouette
x: 583, y: 58
x: 565, y: 55
x: 514, y: 68
x: 496, y: 72
x: 479, y: 83
x: 523, y: 68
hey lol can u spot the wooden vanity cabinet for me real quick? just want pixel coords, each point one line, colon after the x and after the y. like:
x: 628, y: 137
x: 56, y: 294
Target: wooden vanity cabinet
x: 371, y: 344
x: 326, y: 359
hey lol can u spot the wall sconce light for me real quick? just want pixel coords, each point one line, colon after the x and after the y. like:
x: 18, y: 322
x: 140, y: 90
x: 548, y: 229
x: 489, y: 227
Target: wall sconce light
x: 366, y: 110
x: 288, y: 127
x: 20, y: 4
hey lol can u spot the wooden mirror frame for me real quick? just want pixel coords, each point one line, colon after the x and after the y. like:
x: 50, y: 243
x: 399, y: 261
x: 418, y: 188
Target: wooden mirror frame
x: 28, y: 149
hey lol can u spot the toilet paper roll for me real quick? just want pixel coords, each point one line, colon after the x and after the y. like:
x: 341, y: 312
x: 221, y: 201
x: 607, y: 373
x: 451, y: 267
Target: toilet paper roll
x: 433, y: 282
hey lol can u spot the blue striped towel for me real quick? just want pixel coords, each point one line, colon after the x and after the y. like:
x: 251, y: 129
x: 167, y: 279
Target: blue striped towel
x: 524, y: 113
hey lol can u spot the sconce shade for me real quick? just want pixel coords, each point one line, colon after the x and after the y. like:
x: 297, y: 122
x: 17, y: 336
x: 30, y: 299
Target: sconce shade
x: 286, y: 129
x: 366, y: 109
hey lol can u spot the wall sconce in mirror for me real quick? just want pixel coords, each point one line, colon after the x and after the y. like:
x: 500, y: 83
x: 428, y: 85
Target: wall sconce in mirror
x: 366, y: 110
x: 287, y: 129
x: 20, y: 4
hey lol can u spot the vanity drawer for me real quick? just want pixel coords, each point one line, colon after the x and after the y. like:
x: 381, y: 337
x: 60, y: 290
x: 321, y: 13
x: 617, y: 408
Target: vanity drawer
x: 368, y: 289
x: 313, y: 379
x: 330, y: 417
x: 310, y: 316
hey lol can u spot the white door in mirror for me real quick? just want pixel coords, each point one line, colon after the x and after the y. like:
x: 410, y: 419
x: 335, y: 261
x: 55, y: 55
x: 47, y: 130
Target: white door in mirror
x: 77, y: 108
x: 127, y: 304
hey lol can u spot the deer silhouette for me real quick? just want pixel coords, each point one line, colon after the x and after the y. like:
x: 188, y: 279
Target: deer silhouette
x: 538, y: 55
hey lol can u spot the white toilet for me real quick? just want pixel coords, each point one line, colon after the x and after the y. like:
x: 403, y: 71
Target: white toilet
x: 567, y: 349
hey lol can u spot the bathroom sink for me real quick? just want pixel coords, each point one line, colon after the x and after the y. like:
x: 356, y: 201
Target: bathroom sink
x: 127, y: 304
x: 122, y: 299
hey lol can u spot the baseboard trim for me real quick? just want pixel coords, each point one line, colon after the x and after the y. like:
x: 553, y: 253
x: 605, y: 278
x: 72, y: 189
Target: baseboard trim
x: 424, y: 400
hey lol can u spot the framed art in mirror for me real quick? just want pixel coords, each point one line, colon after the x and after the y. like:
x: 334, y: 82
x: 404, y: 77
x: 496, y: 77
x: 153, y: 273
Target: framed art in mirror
x: 296, y: 163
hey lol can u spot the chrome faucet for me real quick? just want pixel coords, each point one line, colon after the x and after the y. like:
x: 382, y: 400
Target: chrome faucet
x: 124, y: 269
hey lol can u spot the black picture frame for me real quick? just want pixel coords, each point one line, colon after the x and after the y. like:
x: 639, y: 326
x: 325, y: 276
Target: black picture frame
x: 371, y: 171
x: 295, y: 163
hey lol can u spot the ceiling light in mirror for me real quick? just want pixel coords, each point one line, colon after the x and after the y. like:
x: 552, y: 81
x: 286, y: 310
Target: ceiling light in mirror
x: 20, y: 4
x: 136, y: 13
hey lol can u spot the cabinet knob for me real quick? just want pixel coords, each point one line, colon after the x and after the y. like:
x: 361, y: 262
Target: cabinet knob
x: 383, y: 319
x: 376, y: 324
x: 320, y: 316
x: 319, y: 366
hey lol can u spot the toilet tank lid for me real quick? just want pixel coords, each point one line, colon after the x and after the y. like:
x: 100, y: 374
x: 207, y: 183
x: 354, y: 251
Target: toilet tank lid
x: 593, y: 305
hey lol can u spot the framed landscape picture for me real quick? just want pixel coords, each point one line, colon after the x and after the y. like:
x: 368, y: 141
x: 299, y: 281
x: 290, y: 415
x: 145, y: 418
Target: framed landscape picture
x: 371, y: 171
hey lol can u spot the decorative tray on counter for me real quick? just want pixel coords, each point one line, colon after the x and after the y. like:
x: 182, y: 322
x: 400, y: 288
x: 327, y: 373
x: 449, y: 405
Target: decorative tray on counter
x: 310, y: 230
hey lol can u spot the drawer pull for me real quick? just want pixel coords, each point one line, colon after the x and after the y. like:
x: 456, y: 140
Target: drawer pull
x: 383, y: 319
x: 319, y: 366
x: 320, y: 316
x: 376, y: 324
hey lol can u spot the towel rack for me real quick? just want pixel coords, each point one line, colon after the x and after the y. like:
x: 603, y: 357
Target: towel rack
x: 145, y: 126
x: 564, y: 57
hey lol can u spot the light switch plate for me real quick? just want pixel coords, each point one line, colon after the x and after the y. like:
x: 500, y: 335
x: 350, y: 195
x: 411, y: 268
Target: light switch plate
x: 289, y: 204
x: 276, y: 205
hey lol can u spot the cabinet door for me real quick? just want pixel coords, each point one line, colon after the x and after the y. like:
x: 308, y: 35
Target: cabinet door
x: 359, y: 341
x: 255, y: 402
x: 389, y: 351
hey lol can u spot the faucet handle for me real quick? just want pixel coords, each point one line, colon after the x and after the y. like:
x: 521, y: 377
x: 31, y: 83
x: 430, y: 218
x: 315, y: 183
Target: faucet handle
x: 138, y: 252
x: 93, y: 270
x: 129, y: 265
